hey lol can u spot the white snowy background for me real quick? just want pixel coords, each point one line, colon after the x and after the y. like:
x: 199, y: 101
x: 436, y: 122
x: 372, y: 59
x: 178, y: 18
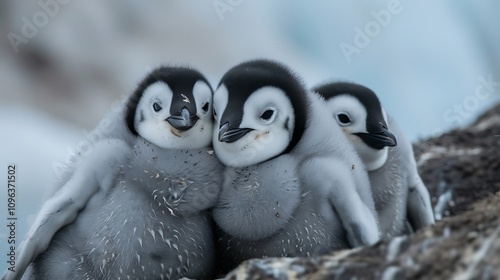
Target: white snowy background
x: 424, y: 62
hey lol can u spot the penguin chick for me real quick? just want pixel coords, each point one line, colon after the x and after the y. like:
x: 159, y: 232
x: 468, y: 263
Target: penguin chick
x: 137, y: 208
x: 289, y: 189
x: 399, y: 193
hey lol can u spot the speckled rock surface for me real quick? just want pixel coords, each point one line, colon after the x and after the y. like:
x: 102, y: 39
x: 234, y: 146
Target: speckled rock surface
x: 462, y: 166
x: 462, y: 172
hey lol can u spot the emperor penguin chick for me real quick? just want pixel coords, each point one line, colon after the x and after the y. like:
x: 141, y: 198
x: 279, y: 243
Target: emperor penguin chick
x: 137, y: 208
x: 399, y: 193
x: 292, y: 186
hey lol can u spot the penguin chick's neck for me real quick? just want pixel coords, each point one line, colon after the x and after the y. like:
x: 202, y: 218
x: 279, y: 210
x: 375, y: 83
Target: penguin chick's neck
x: 373, y: 159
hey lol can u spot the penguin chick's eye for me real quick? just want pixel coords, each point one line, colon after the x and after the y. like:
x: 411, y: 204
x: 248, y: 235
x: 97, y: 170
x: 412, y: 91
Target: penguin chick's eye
x: 156, y: 107
x: 343, y: 119
x: 267, y: 115
x: 205, y: 107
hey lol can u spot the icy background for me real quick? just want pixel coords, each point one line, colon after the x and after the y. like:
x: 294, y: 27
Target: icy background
x: 425, y: 61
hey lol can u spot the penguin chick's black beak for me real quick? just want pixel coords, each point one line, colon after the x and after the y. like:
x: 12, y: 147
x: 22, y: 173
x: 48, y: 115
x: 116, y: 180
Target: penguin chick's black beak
x: 231, y: 135
x: 378, y: 140
x: 184, y: 121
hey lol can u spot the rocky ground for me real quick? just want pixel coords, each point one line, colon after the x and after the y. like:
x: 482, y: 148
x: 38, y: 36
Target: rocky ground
x: 462, y: 172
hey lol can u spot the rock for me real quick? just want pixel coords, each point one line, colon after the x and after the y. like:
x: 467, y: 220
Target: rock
x: 463, y: 165
x: 466, y: 246
x: 462, y: 172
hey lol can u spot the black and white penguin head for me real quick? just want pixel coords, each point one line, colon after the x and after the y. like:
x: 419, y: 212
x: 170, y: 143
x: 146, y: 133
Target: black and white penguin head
x: 255, y: 109
x: 172, y: 108
x: 358, y: 111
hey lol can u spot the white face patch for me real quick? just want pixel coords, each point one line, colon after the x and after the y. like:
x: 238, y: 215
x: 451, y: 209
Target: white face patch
x: 352, y: 108
x: 203, y: 99
x: 270, y: 114
x: 355, y: 111
x: 220, y: 103
x: 154, y: 108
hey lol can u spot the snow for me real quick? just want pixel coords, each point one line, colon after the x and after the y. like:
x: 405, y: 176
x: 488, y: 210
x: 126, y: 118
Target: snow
x: 394, y: 247
x: 443, y: 200
x: 391, y: 273
x: 437, y: 152
x: 479, y: 256
x: 487, y: 123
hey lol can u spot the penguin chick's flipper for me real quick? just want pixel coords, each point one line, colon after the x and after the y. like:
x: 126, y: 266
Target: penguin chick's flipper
x: 63, y: 207
x: 419, y: 208
x: 335, y: 179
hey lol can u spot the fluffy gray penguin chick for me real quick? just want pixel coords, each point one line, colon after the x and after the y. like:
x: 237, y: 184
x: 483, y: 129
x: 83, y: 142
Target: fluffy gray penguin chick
x: 137, y: 209
x: 292, y: 185
x: 399, y: 193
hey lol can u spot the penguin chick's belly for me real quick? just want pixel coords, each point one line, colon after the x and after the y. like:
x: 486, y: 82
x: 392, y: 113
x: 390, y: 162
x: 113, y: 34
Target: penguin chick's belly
x: 258, y: 201
x: 390, y: 196
x: 125, y: 233
x: 309, y: 233
x: 138, y: 238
